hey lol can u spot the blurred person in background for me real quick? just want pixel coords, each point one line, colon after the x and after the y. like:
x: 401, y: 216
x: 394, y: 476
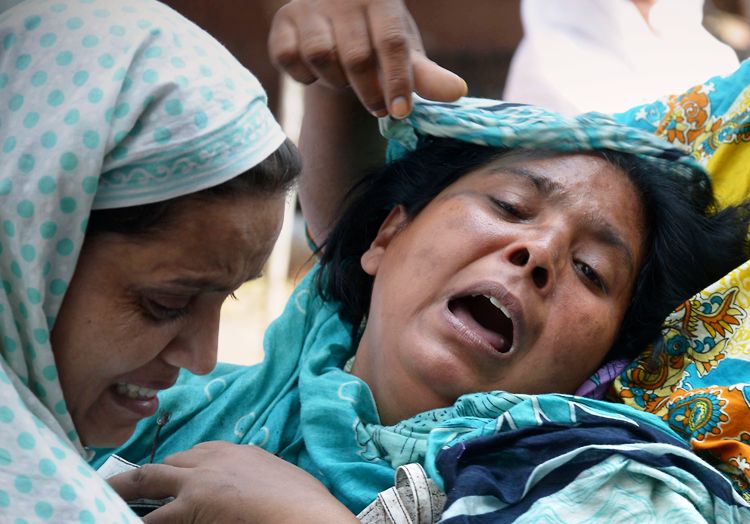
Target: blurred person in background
x: 594, y: 55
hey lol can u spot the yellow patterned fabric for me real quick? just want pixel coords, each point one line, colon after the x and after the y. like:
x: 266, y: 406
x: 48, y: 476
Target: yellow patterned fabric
x: 699, y: 380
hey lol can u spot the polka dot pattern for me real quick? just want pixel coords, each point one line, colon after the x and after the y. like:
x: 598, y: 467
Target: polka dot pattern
x: 47, y: 467
x: 90, y: 90
x: 48, y: 40
x: 39, y: 79
x: 43, y: 510
x: 96, y: 95
x: 68, y: 161
x: 49, y: 140
x: 72, y: 117
x: 30, y: 120
x: 67, y: 493
x: 64, y: 58
x: 91, y: 139
x: 80, y: 78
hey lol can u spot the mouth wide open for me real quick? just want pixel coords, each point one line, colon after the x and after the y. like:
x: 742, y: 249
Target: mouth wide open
x: 486, y: 318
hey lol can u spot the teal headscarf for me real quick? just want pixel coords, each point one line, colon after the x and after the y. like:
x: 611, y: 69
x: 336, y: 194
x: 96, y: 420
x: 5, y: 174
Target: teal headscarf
x: 515, y: 126
x: 103, y: 104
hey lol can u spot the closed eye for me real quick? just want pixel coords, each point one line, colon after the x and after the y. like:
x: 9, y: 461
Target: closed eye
x: 591, y: 276
x: 508, y: 209
x: 161, y: 312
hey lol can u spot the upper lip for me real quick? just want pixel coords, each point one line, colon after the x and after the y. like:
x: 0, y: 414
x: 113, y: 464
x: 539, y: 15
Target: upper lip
x: 159, y: 383
x: 508, y: 300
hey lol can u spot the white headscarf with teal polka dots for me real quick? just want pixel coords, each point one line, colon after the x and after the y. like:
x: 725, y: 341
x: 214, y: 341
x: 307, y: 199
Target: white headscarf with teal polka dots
x: 103, y: 104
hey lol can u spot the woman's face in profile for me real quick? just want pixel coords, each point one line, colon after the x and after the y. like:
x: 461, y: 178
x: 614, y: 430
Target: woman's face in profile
x: 515, y: 277
x: 140, y: 308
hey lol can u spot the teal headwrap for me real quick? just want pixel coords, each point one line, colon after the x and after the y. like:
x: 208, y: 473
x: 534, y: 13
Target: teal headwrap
x: 103, y: 104
x: 514, y: 126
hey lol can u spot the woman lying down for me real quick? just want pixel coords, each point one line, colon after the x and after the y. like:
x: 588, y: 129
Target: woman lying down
x: 471, y: 287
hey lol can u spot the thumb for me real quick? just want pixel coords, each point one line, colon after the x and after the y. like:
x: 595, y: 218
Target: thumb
x: 434, y: 82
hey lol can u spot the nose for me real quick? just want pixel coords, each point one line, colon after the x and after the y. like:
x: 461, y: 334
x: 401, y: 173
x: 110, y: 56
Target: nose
x: 195, y: 347
x: 537, y: 257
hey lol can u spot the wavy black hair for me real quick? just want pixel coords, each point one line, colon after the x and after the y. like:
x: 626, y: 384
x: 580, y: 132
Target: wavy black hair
x: 689, y: 245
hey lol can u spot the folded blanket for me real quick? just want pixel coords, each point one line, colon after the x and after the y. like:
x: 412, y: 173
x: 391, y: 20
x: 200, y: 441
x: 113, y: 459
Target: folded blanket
x: 541, y: 465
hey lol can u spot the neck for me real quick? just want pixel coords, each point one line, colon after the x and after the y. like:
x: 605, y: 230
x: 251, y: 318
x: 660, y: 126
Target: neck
x: 397, y: 396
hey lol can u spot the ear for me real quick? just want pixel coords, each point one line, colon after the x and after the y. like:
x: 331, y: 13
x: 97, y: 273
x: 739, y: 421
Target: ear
x: 393, y: 223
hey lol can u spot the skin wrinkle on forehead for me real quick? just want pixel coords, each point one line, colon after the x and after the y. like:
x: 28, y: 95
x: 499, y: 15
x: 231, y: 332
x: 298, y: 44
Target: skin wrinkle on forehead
x: 602, y: 230
x: 181, y: 285
x: 226, y: 277
x: 217, y: 271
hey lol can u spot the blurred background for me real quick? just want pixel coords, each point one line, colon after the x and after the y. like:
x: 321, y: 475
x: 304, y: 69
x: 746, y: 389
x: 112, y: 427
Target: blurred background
x: 638, y: 49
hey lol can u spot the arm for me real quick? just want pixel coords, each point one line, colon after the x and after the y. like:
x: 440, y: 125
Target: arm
x: 371, y: 46
x: 340, y: 143
x: 223, y: 482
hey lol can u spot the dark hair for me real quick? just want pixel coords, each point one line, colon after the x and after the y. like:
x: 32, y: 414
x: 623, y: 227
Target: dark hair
x: 689, y: 243
x: 277, y: 173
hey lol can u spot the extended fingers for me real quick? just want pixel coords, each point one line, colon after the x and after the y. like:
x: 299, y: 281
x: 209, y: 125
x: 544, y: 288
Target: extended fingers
x: 393, y: 45
x: 284, y: 46
x: 302, y: 43
x: 318, y: 48
x: 434, y: 82
x: 365, y: 44
x: 358, y: 59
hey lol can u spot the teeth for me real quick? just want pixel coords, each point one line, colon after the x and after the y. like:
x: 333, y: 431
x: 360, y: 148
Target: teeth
x: 136, y: 392
x: 495, y: 302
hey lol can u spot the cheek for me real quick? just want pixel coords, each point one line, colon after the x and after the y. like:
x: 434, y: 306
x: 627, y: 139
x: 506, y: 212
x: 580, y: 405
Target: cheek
x: 108, y: 338
x: 599, y: 333
x: 438, y: 243
x: 270, y: 224
x: 587, y: 331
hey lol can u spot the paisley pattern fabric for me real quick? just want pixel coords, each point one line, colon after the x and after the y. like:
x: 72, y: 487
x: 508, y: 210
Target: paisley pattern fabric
x: 700, y: 383
x: 712, y: 122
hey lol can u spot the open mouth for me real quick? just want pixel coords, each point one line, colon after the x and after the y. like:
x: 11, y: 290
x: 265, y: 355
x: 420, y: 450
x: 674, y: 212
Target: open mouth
x: 135, y: 392
x: 487, y: 317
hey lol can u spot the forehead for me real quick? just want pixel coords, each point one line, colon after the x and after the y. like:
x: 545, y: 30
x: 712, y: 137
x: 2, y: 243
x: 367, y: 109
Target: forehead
x: 222, y: 242
x: 238, y: 221
x: 564, y: 173
x: 566, y: 177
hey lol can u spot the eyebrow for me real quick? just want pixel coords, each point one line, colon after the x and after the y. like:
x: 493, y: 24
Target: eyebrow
x: 190, y: 285
x: 601, y: 228
x: 544, y: 185
x: 202, y: 284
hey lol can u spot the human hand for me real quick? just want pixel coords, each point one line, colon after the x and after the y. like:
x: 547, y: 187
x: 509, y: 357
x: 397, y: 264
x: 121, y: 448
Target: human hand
x: 371, y: 45
x: 224, y: 482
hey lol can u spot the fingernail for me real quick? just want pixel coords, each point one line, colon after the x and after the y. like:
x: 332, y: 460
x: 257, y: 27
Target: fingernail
x: 378, y: 113
x: 399, y: 107
x: 466, y: 88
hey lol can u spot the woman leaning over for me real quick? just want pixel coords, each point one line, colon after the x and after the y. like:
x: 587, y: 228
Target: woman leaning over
x: 142, y: 180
